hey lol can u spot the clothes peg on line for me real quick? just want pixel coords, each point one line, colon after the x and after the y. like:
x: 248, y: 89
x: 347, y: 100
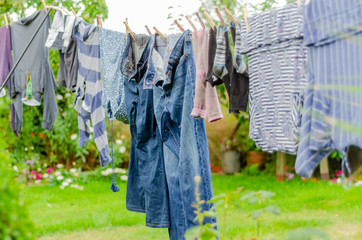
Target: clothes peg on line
x: 179, y: 25
x: 128, y: 29
x: 200, y: 20
x: 6, y: 21
x: 148, y: 30
x: 192, y: 25
x: 159, y: 33
x: 44, y: 5
x: 73, y: 11
x: 299, y: 2
x: 10, y: 19
x: 220, y: 16
x: 245, y: 13
x: 307, y: 2
x: 99, y: 21
x: 208, y: 18
x: 230, y: 16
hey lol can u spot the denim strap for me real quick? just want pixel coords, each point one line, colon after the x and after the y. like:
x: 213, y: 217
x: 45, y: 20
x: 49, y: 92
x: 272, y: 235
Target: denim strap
x: 114, y: 186
x: 345, y: 164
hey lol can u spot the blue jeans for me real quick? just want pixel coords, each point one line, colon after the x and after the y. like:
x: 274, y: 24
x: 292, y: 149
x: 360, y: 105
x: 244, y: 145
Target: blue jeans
x: 146, y: 188
x: 184, y: 137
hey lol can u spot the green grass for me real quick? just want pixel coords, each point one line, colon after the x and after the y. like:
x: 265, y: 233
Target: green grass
x: 98, y: 213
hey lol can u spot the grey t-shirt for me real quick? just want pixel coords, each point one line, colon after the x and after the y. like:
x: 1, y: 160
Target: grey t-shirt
x: 34, y: 67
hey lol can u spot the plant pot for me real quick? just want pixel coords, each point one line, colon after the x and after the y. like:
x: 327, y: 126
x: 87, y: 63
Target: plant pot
x: 255, y: 158
x: 231, y: 162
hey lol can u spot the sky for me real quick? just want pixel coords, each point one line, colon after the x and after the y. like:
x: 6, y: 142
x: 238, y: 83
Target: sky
x: 153, y: 13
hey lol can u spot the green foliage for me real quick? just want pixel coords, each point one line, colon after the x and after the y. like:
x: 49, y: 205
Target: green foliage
x: 14, y: 222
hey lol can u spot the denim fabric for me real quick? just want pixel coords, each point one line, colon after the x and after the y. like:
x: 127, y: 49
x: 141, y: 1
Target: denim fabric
x: 146, y: 186
x: 184, y: 137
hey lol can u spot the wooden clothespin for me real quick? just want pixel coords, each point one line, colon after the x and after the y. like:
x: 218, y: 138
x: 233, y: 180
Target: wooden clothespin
x: 99, y: 21
x: 208, y: 18
x: 148, y: 30
x: 220, y: 16
x: 179, y: 25
x: 192, y: 25
x: 128, y: 29
x: 6, y: 21
x: 10, y: 19
x: 307, y: 2
x: 159, y: 33
x: 45, y: 6
x: 73, y: 11
x: 200, y: 20
x: 230, y: 16
x: 245, y: 13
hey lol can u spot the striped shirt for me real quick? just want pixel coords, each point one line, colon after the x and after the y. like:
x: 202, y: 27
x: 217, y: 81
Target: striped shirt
x: 332, y: 115
x: 277, y: 71
x: 88, y: 100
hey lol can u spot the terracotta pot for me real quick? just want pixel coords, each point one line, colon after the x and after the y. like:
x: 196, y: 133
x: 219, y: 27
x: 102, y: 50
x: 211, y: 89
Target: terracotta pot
x: 255, y: 158
x: 231, y: 162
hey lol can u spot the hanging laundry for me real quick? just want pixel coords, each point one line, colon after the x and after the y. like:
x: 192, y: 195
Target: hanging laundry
x: 35, y: 66
x: 206, y: 99
x: 6, y: 63
x: 112, y: 48
x: 146, y: 185
x: 88, y: 99
x: 277, y: 68
x: 332, y: 115
x: 60, y: 38
x: 236, y: 84
x: 184, y: 138
x: 211, y: 77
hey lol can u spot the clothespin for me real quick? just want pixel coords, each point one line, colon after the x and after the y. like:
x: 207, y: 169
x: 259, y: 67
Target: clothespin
x: 159, y: 33
x: 245, y: 13
x: 6, y: 21
x: 307, y: 2
x: 299, y: 3
x: 99, y: 21
x: 220, y: 17
x: 179, y: 25
x: 200, y: 20
x: 208, y: 18
x: 148, y: 30
x: 45, y: 6
x: 192, y: 25
x: 128, y: 29
x: 230, y: 16
x: 73, y: 11
x: 11, y: 20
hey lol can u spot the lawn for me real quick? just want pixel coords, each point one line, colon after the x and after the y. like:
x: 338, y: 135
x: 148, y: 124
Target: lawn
x: 98, y: 213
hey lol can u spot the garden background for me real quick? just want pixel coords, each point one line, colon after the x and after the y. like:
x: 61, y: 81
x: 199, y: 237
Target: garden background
x: 51, y: 188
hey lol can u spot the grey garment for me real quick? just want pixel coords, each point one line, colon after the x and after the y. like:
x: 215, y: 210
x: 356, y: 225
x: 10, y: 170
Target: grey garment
x: 68, y: 66
x: 36, y: 64
x: 112, y: 47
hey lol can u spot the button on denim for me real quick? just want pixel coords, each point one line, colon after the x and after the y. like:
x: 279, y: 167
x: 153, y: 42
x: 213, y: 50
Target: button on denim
x: 146, y: 187
x: 184, y: 137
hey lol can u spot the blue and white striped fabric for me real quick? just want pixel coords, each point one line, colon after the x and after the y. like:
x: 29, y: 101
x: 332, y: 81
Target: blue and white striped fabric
x: 277, y: 73
x: 88, y: 100
x: 332, y: 115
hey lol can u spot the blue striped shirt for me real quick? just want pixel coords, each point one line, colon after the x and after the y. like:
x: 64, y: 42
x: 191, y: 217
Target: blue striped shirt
x: 332, y: 115
x: 88, y: 100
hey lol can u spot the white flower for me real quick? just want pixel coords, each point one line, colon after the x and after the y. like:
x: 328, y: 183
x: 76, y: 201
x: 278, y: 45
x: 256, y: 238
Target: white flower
x: 65, y: 183
x: 72, y: 170
x: 61, y: 187
x: 67, y: 95
x: 73, y: 137
x: 70, y: 105
x: 45, y: 175
x: 358, y: 183
x: 57, y: 173
x: 68, y: 180
x: 120, y: 170
x: 124, y: 178
x: 107, y: 172
x: 45, y: 165
x: 122, y: 149
x: 119, y: 141
x: 38, y: 181
x: 74, y: 163
x: 76, y: 174
x: 26, y: 149
x: 59, y: 178
x: 16, y: 169
x: 39, y: 169
x: 59, y: 165
x: 80, y: 188
x: 63, y: 114
x: 339, y: 181
x: 59, y: 97
x: 32, y: 147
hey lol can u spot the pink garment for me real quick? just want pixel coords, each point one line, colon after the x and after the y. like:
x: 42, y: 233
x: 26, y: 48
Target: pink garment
x: 206, y: 100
